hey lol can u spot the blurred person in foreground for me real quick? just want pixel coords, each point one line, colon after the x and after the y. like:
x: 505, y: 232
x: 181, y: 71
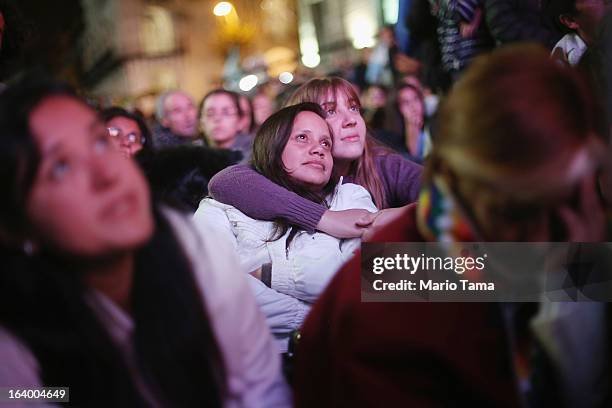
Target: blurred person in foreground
x: 523, y: 171
x: 101, y: 291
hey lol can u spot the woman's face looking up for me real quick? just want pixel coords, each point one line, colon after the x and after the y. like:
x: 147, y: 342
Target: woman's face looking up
x: 87, y: 200
x: 307, y: 154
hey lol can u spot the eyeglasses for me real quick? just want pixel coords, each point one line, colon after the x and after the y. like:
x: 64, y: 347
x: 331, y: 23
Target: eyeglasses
x: 224, y: 113
x: 130, y: 138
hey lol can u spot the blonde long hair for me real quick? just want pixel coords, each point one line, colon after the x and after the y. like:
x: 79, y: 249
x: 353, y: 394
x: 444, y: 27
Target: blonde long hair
x: 363, y: 169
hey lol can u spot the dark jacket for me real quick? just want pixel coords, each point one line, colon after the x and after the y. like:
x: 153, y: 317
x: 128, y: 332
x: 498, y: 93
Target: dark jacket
x: 401, y: 354
x: 519, y: 20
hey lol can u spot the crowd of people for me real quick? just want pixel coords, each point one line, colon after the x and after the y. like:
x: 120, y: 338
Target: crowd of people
x: 211, y: 256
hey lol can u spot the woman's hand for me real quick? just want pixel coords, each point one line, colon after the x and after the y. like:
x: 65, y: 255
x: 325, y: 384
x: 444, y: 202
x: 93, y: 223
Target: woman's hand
x: 344, y: 224
x: 376, y: 221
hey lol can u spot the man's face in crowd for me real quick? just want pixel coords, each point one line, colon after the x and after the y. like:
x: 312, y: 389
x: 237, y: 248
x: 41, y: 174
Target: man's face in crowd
x: 180, y: 115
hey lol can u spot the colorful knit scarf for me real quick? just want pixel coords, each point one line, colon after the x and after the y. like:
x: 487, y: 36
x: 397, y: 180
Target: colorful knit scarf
x: 439, y: 217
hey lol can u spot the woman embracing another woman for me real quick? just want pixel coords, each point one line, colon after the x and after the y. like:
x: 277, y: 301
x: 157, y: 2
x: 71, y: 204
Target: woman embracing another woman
x: 392, y: 181
x: 293, y: 149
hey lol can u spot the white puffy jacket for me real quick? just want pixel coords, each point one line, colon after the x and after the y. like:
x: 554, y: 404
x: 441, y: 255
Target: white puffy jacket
x: 299, y: 272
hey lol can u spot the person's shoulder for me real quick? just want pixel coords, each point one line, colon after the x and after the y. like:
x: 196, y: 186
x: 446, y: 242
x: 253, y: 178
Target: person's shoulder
x: 209, y: 211
x: 19, y: 366
x: 387, y: 161
x: 349, y: 196
x: 209, y: 207
x: 209, y: 201
x: 350, y: 189
x: 213, y: 259
x: 193, y: 240
x: 10, y: 345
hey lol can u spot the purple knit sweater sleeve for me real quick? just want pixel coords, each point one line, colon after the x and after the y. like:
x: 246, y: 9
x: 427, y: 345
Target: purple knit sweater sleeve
x: 401, y: 178
x: 258, y: 197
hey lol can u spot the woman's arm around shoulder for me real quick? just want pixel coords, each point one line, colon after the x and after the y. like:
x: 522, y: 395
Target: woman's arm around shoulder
x: 260, y: 198
x: 211, y: 220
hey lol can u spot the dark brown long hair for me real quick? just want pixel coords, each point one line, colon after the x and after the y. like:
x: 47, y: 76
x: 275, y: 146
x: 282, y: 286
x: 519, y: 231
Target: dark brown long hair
x: 43, y: 299
x: 268, y: 148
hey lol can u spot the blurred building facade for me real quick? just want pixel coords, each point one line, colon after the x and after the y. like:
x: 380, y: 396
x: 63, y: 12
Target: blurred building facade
x: 331, y: 30
x: 135, y: 49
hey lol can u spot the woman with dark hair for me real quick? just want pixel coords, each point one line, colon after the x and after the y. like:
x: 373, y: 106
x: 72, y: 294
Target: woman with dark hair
x: 128, y: 130
x: 292, y: 149
x: 221, y: 121
x: 392, y: 180
x: 410, y: 105
x: 404, y: 125
x: 121, y: 301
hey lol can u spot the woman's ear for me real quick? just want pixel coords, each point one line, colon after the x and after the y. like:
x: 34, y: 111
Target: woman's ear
x: 569, y: 22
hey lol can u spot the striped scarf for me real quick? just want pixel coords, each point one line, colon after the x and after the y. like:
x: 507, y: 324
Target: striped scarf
x: 439, y: 217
